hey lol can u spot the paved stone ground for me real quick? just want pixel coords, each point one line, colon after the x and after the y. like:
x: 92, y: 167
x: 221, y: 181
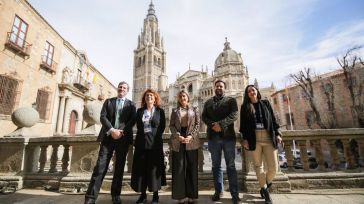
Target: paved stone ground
x: 322, y: 196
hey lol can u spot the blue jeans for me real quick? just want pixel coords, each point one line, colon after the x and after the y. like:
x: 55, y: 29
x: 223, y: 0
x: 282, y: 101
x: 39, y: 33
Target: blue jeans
x: 216, y: 145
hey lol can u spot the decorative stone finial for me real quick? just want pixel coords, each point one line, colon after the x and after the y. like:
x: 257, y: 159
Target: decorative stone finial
x: 24, y: 118
x: 226, y: 45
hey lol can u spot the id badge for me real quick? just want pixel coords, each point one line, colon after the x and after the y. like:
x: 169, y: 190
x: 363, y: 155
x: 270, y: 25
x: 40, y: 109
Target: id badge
x: 260, y: 126
x: 147, y: 129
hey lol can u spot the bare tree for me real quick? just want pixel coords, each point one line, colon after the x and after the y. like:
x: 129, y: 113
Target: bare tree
x: 304, y: 79
x: 328, y: 89
x: 348, y: 62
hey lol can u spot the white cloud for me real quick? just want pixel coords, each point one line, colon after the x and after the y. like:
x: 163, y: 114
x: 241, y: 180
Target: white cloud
x: 267, y: 33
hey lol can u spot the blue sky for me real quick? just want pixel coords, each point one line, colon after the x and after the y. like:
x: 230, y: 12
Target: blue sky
x: 275, y: 37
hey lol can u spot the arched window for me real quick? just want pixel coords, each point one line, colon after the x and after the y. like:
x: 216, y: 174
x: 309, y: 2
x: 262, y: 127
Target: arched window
x: 140, y: 61
x: 155, y: 60
x: 159, y: 61
x: 190, y: 89
x: 73, y: 122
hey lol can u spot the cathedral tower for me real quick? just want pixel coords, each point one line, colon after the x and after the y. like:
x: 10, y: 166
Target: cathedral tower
x: 149, y: 58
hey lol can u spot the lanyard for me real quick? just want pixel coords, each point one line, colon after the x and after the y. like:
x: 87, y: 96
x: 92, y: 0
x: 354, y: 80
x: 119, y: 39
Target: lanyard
x: 260, y: 114
x: 151, y: 114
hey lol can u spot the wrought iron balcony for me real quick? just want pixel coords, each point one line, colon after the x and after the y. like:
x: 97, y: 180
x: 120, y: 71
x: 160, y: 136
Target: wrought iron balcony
x: 82, y: 84
x: 17, y: 45
x: 48, y: 64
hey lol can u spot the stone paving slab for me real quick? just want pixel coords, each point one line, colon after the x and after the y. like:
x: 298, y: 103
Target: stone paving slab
x: 321, y: 196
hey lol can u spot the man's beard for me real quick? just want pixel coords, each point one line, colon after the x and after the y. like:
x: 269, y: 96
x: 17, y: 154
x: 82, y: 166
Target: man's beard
x: 219, y: 93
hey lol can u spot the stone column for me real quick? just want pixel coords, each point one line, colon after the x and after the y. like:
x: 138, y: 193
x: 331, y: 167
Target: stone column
x: 319, y: 157
x: 304, y: 157
x: 334, y: 155
x: 60, y: 115
x: 361, y: 150
x: 64, y: 119
x: 129, y: 158
x: 54, y: 159
x: 65, y: 158
x: 288, y: 154
x: 348, y: 154
x: 42, y: 158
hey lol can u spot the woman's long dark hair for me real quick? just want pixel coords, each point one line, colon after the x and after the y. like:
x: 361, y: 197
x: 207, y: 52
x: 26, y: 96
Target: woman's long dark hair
x: 247, y: 108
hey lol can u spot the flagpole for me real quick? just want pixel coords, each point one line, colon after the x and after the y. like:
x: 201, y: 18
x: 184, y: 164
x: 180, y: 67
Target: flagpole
x: 290, y: 121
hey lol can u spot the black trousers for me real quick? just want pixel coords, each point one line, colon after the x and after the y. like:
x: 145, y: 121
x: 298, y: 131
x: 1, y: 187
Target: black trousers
x: 107, y: 147
x: 184, y: 173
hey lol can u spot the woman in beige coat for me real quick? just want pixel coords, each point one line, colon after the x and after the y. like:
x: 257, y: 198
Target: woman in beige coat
x: 184, y: 126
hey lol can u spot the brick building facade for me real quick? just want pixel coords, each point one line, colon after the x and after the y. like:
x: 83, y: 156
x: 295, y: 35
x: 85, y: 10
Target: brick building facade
x: 302, y: 116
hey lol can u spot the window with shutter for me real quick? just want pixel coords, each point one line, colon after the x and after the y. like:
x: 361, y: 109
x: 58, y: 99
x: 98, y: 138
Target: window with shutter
x: 42, y: 104
x: 8, y: 94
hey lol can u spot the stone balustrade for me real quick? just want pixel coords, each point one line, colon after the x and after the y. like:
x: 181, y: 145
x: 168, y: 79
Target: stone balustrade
x: 324, y: 158
x: 65, y: 163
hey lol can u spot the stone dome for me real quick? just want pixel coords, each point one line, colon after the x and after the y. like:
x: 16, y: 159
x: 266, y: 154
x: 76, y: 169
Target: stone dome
x: 91, y: 113
x: 228, y: 56
x: 25, y: 117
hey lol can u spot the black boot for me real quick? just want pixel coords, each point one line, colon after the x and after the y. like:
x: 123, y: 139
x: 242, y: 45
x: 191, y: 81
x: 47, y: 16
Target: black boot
x: 269, y: 185
x: 268, y: 199
x: 155, y: 198
x: 142, y: 198
x: 262, y: 193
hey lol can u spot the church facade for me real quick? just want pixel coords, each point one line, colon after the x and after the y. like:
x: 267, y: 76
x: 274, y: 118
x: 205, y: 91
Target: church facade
x: 150, y: 71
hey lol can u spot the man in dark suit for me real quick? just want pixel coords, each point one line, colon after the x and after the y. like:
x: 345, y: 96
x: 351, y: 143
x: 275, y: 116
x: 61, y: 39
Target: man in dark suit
x: 117, y: 119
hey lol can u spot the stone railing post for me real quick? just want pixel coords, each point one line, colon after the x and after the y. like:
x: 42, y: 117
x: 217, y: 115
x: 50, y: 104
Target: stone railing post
x: 334, y: 155
x: 42, y: 158
x: 31, y: 158
x: 348, y: 154
x: 65, y: 158
x: 361, y: 150
x: 11, y: 163
x: 289, y: 156
x: 54, y: 159
x: 129, y: 158
x: 303, y: 152
x: 200, y: 159
x: 113, y: 159
x: 319, y: 158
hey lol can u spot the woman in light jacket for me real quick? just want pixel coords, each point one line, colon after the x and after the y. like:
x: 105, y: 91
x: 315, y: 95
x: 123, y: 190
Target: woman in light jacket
x: 261, y: 135
x: 184, y: 126
x: 148, y: 171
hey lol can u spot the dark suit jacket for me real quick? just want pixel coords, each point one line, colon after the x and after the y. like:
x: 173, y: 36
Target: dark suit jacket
x: 138, y: 172
x: 127, y: 119
x: 158, y: 126
x: 248, y: 126
x: 225, y: 112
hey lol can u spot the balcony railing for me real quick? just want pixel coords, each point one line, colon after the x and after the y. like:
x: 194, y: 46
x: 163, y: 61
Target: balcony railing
x: 82, y: 84
x: 48, y: 64
x: 17, y: 44
x: 66, y: 163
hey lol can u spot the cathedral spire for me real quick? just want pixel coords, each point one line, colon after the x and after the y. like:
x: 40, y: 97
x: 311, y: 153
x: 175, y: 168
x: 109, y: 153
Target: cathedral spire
x: 151, y: 11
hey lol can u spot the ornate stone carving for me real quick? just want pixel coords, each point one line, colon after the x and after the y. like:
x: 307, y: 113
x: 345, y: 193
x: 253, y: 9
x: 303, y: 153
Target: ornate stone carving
x: 67, y: 75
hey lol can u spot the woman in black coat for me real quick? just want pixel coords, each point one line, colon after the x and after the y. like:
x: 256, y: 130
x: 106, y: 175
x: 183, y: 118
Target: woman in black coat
x: 261, y: 134
x: 148, y: 169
